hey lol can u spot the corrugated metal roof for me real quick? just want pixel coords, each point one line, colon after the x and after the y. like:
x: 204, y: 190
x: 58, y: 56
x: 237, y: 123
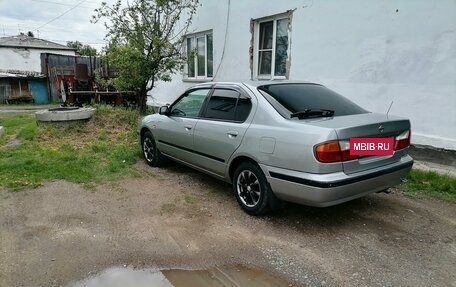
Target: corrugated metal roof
x: 24, y: 41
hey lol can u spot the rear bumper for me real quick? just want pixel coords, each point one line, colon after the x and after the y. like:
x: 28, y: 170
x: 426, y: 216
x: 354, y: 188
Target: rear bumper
x: 334, y: 188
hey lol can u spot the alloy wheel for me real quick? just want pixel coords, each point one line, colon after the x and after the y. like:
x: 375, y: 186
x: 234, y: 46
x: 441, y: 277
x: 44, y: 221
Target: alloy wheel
x: 148, y: 149
x: 248, y: 188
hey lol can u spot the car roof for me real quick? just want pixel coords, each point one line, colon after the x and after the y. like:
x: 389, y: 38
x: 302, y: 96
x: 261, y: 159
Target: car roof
x: 275, y: 82
x: 253, y: 83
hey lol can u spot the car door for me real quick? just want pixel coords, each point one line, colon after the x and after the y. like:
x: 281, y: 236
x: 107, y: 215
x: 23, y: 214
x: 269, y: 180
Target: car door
x: 221, y: 128
x: 175, y: 132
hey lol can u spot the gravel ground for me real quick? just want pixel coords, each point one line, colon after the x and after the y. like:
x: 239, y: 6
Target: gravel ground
x: 175, y: 217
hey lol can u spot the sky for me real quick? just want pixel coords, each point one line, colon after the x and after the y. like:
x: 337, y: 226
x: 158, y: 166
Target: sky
x: 54, y: 20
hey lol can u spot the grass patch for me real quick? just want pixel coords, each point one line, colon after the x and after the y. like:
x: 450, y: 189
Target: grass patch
x: 167, y: 208
x: 431, y: 184
x: 190, y: 199
x: 102, y: 149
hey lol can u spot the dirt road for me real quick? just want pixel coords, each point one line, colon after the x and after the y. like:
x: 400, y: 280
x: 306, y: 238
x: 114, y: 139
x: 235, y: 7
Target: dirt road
x: 178, y: 218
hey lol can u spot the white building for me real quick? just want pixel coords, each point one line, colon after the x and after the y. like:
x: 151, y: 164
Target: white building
x: 23, y: 53
x: 373, y: 52
x: 21, y: 75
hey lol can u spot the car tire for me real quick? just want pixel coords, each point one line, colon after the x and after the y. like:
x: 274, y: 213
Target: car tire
x: 252, y: 190
x: 150, y: 152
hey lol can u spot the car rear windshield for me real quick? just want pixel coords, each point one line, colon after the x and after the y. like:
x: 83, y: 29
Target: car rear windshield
x: 301, y: 97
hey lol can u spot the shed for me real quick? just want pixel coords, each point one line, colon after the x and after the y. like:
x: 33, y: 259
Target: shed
x: 18, y: 87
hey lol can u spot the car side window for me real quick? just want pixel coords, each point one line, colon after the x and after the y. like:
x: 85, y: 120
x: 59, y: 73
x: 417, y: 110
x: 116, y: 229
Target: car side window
x: 190, y: 105
x: 228, y: 105
x: 243, y: 108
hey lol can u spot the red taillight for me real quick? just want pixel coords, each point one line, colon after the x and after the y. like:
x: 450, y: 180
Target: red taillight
x: 345, y: 151
x: 334, y: 151
x: 402, y: 140
x: 328, y: 152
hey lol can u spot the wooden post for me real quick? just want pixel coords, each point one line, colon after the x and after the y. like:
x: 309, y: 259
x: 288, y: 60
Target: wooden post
x: 48, y: 78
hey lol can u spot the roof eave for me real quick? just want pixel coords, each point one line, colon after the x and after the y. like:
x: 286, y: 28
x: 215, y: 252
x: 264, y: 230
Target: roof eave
x: 36, y: 47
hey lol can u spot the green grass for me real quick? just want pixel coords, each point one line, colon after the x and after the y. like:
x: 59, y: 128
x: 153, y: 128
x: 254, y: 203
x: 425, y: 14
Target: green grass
x: 431, y: 184
x: 103, y: 149
x: 167, y: 208
x: 190, y: 199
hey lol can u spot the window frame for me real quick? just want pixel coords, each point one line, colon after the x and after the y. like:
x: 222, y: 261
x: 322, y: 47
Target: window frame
x: 256, y: 46
x: 194, y: 40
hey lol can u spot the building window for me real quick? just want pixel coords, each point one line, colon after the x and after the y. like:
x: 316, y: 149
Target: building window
x: 199, y: 56
x: 272, y: 46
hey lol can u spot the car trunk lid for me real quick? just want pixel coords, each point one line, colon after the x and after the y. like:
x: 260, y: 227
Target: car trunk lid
x: 365, y: 125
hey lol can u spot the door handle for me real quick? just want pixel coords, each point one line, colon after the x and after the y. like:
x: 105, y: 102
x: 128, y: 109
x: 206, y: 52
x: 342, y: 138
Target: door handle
x: 188, y: 128
x: 232, y: 134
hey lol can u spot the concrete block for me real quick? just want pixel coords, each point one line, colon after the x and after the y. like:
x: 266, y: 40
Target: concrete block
x: 64, y: 114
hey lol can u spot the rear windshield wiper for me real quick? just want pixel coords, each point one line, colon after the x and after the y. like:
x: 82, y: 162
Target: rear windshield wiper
x: 307, y: 113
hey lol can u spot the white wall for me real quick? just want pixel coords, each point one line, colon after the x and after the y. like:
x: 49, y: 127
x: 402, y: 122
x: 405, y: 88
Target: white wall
x: 25, y: 59
x: 365, y: 50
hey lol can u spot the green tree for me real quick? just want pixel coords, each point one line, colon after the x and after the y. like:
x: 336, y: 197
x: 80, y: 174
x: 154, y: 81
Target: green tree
x: 145, y: 39
x: 81, y: 49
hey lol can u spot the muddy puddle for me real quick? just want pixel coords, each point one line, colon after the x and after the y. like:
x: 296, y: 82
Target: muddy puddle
x: 237, y: 276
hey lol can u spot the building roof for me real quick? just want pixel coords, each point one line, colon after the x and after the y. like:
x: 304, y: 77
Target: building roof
x: 24, y: 41
x: 20, y: 74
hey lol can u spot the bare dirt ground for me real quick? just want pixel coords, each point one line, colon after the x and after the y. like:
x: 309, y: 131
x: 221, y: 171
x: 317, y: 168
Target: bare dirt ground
x: 175, y: 217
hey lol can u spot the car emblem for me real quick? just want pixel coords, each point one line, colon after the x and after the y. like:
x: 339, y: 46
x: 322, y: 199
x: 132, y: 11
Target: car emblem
x: 381, y: 129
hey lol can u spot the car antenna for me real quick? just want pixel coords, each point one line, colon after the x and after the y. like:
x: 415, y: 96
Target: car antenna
x: 389, y: 108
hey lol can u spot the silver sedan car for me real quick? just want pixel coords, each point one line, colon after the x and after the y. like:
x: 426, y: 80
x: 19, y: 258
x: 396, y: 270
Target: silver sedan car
x: 277, y: 141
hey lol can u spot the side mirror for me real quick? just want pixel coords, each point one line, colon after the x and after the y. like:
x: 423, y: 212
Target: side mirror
x: 163, y: 110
